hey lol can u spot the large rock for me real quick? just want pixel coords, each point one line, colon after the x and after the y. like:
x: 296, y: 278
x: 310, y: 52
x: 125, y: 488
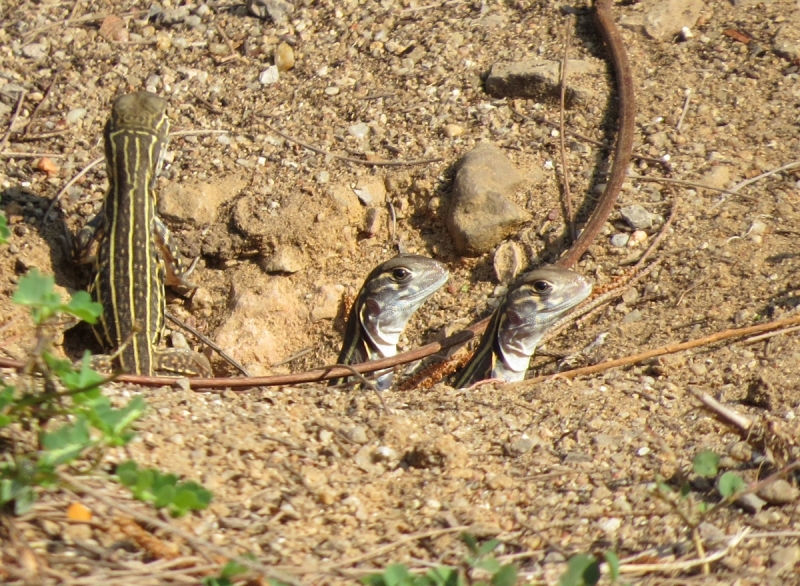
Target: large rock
x: 480, y: 214
x: 665, y: 18
x: 196, y: 202
x: 540, y: 79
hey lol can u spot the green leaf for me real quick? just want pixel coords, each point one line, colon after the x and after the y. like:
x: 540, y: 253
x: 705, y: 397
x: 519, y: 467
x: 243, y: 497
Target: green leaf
x: 7, y: 396
x: 114, y: 422
x: 664, y: 487
x: 582, y: 570
x: 212, y: 581
x: 81, y: 306
x: 24, y: 500
x: 612, y: 560
x: 66, y: 443
x: 234, y: 568
x: 730, y: 483
x: 128, y: 473
x: 505, y: 576
x: 164, y: 495
x: 706, y: 464
x: 443, y: 576
x: 396, y: 574
x: 488, y: 547
x: 144, y: 482
x: 373, y: 580
x: 5, y: 233
x: 471, y: 542
x: 686, y: 488
x: 86, y: 379
x: 36, y: 291
x: 489, y: 564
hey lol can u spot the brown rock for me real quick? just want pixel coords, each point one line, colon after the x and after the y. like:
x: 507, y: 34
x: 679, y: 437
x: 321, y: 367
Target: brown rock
x: 194, y: 202
x: 480, y: 214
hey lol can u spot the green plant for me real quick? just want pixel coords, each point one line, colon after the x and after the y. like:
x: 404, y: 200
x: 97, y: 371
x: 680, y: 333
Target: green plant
x: 4, y: 232
x: 73, y: 421
x: 584, y: 569
x: 480, y: 558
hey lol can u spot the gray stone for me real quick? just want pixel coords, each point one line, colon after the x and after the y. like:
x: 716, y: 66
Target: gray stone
x: 638, y: 218
x: 35, y: 51
x: 665, y: 18
x: 539, y: 79
x: 74, y: 115
x: 278, y: 10
x: 480, y: 215
x: 786, y: 41
x: 358, y: 130
x: 620, y: 240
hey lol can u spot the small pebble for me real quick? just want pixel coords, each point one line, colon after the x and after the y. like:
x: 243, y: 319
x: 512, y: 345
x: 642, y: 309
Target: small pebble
x: 269, y: 75
x: 359, y: 130
x: 284, y: 57
x: 620, y: 240
x: 637, y: 237
x: 331, y: 91
x: 453, y: 130
x: 74, y: 115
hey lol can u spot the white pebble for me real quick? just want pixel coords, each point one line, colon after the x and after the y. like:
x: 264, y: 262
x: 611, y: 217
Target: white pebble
x: 359, y: 130
x: 74, y: 115
x: 643, y: 451
x: 269, y: 75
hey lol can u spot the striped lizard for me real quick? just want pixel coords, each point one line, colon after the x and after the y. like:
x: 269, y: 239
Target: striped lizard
x: 391, y: 294
x: 135, y: 257
x: 531, y: 305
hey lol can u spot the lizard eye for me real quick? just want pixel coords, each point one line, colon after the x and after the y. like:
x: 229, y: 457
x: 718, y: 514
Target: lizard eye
x: 541, y: 286
x: 401, y: 274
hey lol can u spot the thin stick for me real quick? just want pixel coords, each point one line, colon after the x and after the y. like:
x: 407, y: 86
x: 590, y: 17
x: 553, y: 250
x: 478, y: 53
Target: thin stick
x: 70, y: 183
x: 728, y: 414
x: 677, y: 566
x: 668, y: 349
x: 293, y: 357
x: 622, y: 153
x: 684, y: 183
x: 225, y: 356
x: 755, y: 339
x: 195, y: 542
x: 570, y: 219
x: 14, y: 117
x: 686, y: 101
x: 747, y: 182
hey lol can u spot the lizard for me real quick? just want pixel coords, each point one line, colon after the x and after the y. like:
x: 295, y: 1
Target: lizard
x: 531, y: 305
x: 390, y: 295
x: 135, y: 256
